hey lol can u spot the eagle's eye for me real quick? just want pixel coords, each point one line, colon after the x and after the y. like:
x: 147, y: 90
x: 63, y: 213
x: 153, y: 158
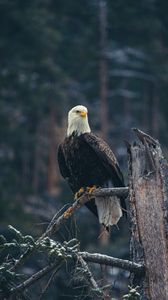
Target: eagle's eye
x: 77, y: 111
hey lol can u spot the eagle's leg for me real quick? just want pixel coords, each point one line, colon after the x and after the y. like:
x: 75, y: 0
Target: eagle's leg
x: 90, y: 189
x: 79, y: 193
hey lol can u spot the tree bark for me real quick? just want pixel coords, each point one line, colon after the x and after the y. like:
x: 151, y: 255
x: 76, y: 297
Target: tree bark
x: 148, y: 213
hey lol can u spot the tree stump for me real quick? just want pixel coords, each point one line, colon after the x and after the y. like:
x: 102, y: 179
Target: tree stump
x: 148, y: 203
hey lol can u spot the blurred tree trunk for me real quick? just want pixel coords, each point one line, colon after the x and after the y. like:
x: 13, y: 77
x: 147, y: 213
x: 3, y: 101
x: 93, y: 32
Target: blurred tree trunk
x: 52, y: 152
x: 26, y: 159
x: 155, y: 111
x: 37, y: 156
x: 127, y: 110
x: 103, y: 69
x: 53, y: 176
x: 46, y: 175
x: 145, y: 110
x: 41, y: 155
x: 149, y: 222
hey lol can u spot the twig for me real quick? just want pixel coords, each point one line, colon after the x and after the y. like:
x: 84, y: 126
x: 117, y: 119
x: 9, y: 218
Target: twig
x: 54, y: 226
x: 90, y: 277
x: 51, y: 229
x: 34, y: 278
x: 66, y: 215
x: 55, y: 217
x: 55, y: 223
x: 19, y: 262
x: 48, y: 284
x: 82, y: 257
x: 114, y: 262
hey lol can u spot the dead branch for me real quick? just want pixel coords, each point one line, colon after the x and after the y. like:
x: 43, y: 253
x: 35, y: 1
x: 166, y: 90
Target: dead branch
x: 57, y: 221
x: 54, y: 225
x: 89, y: 277
x: 33, y: 279
x: 113, y: 262
x: 118, y: 191
x: 72, y: 252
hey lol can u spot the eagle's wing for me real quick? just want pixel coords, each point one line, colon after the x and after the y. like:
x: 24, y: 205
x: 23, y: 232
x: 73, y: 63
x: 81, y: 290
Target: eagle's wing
x: 64, y: 170
x: 62, y: 163
x: 65, y: 174
x: 106, y: 156
x: 108, y: 159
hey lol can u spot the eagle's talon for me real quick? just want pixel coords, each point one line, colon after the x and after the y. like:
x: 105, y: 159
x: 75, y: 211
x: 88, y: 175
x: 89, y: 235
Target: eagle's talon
x: 79, y: 193
x: 90, y: 189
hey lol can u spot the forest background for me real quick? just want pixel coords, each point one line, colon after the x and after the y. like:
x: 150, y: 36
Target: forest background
x: 111, y: 56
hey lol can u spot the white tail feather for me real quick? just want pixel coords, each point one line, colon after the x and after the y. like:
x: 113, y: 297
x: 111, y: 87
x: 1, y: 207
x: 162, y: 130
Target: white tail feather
x: 109, y: 210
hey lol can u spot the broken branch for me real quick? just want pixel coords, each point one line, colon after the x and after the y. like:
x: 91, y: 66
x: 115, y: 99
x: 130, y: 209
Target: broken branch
x: 113, y: 262
x: 57, y: 221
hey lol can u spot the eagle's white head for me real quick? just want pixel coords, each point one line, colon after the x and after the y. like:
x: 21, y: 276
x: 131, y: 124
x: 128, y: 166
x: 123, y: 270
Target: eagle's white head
x: 78, y: 120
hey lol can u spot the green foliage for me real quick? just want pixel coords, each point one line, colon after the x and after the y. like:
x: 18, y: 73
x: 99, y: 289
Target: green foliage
x: 18, y: 244
x: 133, y: 294
x: 20, y: 250
x: 10, y: 251
x: 7, y: 278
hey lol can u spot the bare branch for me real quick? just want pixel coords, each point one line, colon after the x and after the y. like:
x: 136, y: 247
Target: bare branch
x: 118, y: 191
x: 90, y: 277
x: 113, y: 262
x: 34, y: 278
x: 57, y: 221
x: 54, y: 226
x: 72, y: 252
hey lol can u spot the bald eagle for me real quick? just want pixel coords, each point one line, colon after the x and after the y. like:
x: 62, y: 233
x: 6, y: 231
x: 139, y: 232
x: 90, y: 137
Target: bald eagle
x: 85, y: 160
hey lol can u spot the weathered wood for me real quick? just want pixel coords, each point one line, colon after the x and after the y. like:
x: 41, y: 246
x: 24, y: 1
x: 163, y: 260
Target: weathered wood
x: 118, y: 191
x: 148, y: 215
x: 113, y: 262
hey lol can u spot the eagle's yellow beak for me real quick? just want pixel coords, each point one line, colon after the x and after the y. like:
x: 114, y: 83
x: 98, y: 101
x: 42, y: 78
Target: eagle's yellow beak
x: 83, y: 114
